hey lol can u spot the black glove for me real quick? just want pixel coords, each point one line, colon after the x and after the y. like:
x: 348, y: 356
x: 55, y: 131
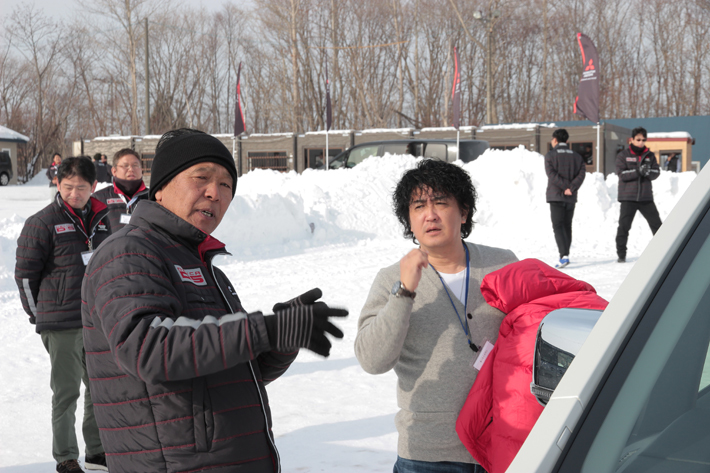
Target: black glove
x: 645, y: 170
x: 303, y: 325
x: 307, y: 298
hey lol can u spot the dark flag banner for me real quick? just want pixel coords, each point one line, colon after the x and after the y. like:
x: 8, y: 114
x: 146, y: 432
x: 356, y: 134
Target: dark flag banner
x: 587, y: 101
x: 456, y: 90
x: 238, y: 113
x: 328, y: 107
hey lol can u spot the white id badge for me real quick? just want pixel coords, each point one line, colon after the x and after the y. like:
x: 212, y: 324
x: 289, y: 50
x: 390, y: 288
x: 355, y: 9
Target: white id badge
x: 125, y: 219
x: 86, y: 256
x: 483, y: 355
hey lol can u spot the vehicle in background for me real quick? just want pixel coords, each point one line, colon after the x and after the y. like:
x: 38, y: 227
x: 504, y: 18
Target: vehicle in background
x: 445, y: 150
x: 5, y: 168
x: 636, y: 396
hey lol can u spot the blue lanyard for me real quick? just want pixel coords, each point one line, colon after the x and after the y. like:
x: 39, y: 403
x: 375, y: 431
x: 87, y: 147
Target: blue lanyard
x: 463, y: 323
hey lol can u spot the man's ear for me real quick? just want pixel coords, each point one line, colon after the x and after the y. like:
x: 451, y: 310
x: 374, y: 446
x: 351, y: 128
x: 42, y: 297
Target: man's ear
x: 159, y: 196
x: 93, y: 187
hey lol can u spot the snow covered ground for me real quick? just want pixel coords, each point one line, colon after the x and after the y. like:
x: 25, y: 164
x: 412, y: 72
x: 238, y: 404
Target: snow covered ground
x: 329, y: 415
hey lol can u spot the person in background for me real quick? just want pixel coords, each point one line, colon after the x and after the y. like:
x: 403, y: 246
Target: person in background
x: 52, y: 174
x: 53, y: 249
x: 673, y: 163
x: 565, y: 174
x: 178, y: 368
x: 425, y: 317
x: 636, y: 167
x: 101, y: 169
x: 127, y: 190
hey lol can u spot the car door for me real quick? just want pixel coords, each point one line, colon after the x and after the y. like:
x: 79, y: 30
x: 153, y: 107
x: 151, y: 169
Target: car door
x: 636, y: 396
x: 652, y: 413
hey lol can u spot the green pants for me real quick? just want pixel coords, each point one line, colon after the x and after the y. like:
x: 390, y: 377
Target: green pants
x: 66, y: 353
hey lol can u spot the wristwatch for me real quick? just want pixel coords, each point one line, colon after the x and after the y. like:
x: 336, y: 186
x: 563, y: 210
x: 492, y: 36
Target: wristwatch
x: 398, y: 290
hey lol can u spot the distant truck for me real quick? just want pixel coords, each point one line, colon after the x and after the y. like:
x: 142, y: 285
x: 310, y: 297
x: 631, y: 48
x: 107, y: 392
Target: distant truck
x: 5, y: 168
x: 444, y: 149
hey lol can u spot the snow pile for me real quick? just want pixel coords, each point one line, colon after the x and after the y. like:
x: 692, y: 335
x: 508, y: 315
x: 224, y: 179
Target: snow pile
x: 282, y: 213
x: 276, y: 214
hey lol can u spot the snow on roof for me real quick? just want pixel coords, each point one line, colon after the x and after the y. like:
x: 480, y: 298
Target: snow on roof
x: 331, y: 132
x: 267, y: 135
x: 671, y: 134
x: 7, y: 134
x: 388, y: 130
x: 108, y: 138
x: 516, y: 126
x: 448, y: 128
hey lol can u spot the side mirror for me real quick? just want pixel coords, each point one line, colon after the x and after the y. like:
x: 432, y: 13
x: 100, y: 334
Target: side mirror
x: 560, y: 336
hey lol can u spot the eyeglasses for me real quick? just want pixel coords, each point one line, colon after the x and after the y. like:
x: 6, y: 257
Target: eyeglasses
x: 129, y: 166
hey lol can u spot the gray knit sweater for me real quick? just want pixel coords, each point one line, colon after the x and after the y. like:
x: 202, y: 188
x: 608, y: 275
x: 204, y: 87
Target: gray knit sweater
x: 425, y: 344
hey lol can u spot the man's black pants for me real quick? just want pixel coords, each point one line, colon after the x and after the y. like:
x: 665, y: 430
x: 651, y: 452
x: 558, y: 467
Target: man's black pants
x: 561, y: 214
x: 626, y: 218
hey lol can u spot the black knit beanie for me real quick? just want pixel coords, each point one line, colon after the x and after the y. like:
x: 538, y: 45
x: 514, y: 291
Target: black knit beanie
x: 187, y: 150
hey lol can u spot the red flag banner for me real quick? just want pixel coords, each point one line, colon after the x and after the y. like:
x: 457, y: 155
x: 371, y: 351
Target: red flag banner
x: 238, y: 113
x: 587, y: 101
x: 328, y: 107
x: 456, y: 91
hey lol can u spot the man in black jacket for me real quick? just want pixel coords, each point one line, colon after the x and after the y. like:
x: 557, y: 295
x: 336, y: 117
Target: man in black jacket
x: 52, y: 251
x: 636, y: 167
x: 52, y: 174
x: 127, y: 190
x: 178, y: 368
x: 101, y: 169
x: 565, y: 173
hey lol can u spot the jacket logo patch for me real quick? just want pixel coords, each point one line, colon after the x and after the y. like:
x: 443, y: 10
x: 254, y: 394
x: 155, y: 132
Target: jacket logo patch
x: 191, y: 275
x: 113, y: 201
x: 630, y: 160
x: 102, y: 227
x: 64, y: 228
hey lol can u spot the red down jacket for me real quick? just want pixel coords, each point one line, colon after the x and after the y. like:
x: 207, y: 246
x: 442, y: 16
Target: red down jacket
x: 500, y: 411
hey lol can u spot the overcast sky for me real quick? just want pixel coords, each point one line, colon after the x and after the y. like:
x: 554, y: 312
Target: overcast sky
x: 66, y: 8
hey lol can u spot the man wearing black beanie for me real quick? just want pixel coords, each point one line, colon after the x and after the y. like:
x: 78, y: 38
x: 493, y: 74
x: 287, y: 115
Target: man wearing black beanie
x: 178, y: 366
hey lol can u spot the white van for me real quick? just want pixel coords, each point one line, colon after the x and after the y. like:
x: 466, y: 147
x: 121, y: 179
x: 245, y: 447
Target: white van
x: 636, y: 397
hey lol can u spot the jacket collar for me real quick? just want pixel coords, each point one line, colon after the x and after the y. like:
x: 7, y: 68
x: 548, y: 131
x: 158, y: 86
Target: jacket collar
x: 98, y: 211
x: 153, y: 216
x: 141, y: 190
x: 561, y: 145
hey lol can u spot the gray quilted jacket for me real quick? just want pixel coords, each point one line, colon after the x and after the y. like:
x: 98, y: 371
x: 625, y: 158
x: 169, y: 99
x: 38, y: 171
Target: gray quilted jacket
x: 177, y: 368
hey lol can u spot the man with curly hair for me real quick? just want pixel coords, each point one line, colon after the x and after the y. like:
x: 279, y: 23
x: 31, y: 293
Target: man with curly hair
x: 426, y: 318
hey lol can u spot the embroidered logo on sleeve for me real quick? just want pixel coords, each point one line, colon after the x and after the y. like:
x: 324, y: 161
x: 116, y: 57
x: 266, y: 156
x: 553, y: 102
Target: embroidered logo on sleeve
x: 114, y: 201
x: 191, y: 275
x: 64, y: 228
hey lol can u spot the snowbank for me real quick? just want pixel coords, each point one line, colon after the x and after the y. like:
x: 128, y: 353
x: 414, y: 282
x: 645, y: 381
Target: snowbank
x: 272, y: 212
x: 285, y: 213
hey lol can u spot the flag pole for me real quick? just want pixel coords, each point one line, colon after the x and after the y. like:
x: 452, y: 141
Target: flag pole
x: 328, y: 115
x: 458, y: 150
x: 598, y: 144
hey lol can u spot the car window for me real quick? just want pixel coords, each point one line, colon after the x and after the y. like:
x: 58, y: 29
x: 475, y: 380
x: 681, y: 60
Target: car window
x: 357, y: 155
x: 338, y: 162
x: 435, y: 150
x: 396, y: 148
x: 653, y: 412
